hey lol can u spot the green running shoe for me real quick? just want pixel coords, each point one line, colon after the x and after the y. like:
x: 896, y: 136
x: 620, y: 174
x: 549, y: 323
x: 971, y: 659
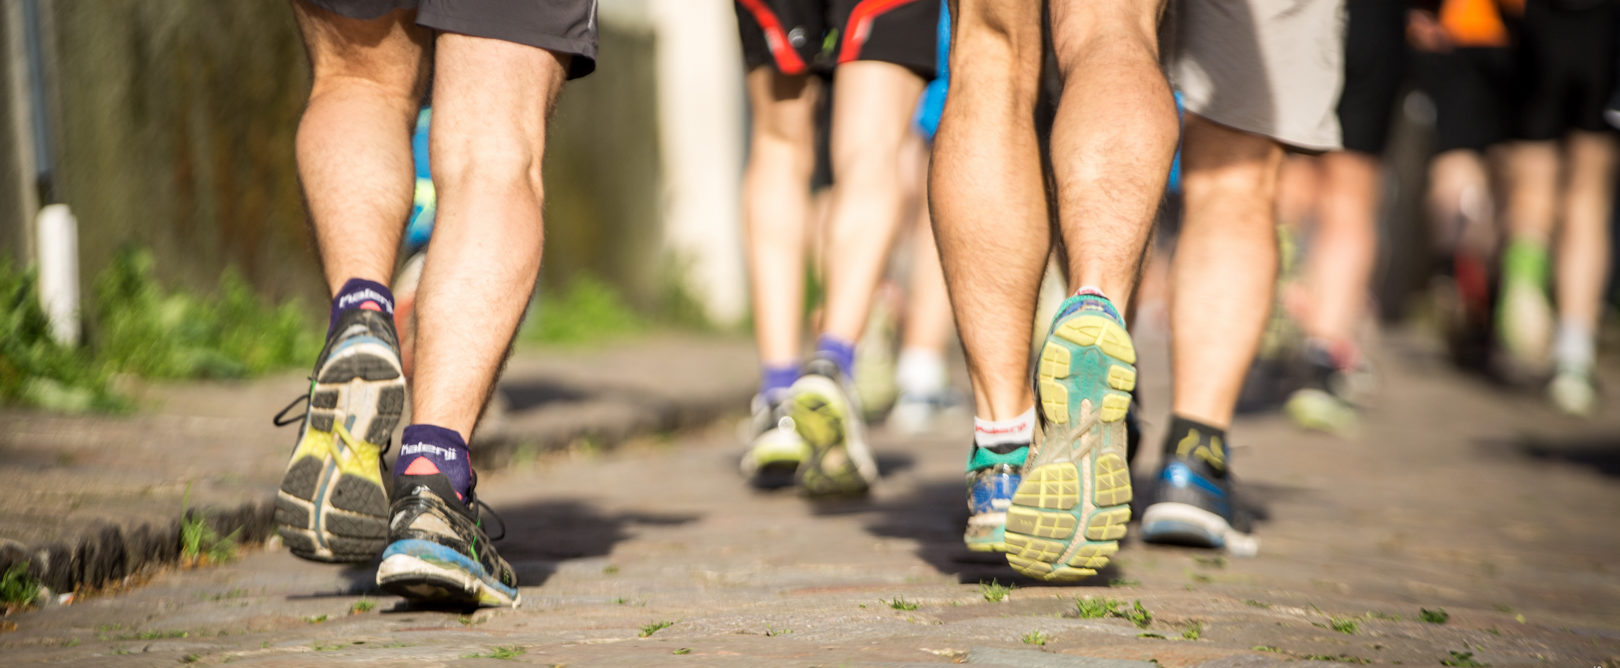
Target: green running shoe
x: 1072, y: 505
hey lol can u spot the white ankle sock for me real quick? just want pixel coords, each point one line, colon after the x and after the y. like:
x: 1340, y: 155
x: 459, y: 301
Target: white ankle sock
x: 920, y: 372
x: 1018, y: 430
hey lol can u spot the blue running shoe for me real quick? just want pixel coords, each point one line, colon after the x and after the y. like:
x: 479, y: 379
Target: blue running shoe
x: 1072, y: 505
x: 438, y: 552
x: 993, y: 474
x: 1192, y: 502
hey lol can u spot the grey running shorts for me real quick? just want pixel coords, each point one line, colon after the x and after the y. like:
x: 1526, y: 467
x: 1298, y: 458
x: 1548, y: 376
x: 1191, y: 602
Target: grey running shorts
x: 560, y: 26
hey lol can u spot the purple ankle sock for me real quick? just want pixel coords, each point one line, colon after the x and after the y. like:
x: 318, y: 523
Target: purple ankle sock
x: 361, y: 293
x: 431, y: 450
x: 775, y: 379
x: 841, y: 352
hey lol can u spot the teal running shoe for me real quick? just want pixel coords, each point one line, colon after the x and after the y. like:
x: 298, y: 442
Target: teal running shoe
x: 1071, y: 507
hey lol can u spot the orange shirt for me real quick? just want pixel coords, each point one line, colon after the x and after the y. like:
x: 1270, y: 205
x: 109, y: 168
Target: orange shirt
x: 1477, y: 22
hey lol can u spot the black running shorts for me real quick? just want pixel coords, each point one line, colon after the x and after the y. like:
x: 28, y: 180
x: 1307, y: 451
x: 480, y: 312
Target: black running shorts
x: 560, y: 26
x: 801, y: 36
x: 1472, y: 89
x: 1374, y: 69
x: 1567, y: 66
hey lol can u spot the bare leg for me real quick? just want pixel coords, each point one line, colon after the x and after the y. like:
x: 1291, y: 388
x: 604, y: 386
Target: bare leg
x: 1345, y: 246
x: 986, y: 195
x: 1112, y: 141
x: 1583, y: 245
x: 354, y: 141
x: 492, y: 99
x: 1225, y: 266
x: 776, y: 207
x: 872, y: 106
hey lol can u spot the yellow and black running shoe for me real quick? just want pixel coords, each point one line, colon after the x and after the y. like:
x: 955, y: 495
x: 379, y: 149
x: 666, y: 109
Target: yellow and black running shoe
x: 333, y: 505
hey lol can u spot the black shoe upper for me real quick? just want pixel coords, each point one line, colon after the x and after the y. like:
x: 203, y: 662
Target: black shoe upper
x: 1196, y: 471
x: 426, y: 508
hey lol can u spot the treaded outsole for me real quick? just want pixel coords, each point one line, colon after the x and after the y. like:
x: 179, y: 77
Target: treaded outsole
x: 332, y: 505
x: 1071, y: 509
x: 828, y: 471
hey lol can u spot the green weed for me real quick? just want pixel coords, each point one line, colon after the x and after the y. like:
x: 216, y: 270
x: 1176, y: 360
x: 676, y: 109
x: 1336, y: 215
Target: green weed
x: 899, y: 603
x: 1123, y: 582
x: 1137, y: 614
x: 362, y: 605
x: 1343, y: 625
x: 154, y: 635
x: 1435, y: 616
x: 994, y: 591
x: 35, y: 370
x: 19, y: 588
x: 1194, y: 630
x: 586, y: 310
x: 1036, y: 638
x: 649, y: 629
x: 508, y: 653
x: 1095, y: 608
x: 315, y: 619
x: 328, y: 647
x: 681, y: 651
x: 771, y: 632
x: 1257, y: 604
x: 1155, y: 636
x: 1465, y: 659
x: 1267, y: 648
x: 200, y: 544
x: 1337, y: 658
x: 1384, y: 616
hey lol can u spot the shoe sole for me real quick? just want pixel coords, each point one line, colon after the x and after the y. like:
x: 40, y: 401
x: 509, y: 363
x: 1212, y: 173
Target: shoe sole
x: 995, y: 541
x: 1071, y: 508
x: 839, y: 463
x: 773, y: 462
x: 431, y: 573
x: 333, y: 505
x: 1174, y: 523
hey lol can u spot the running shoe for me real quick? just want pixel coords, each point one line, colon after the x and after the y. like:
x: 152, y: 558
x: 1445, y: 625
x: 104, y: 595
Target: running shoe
x: 993, y: 475
x: 1071, y: 507
x: 438, y: 552
x: 1329, y: 401
x: 333, y: 505
x: 1573, y: 390
x: 1192, y: 502
x: 827, y: 416
x: 775, y: 449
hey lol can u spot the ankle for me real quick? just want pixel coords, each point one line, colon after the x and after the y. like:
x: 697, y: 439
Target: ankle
x: 359, y: 293
x: 433, y: 450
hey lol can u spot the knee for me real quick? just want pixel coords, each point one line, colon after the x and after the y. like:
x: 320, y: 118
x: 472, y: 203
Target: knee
x: 485, y: 158
x: 996, y: 44
x: 1092, y: 35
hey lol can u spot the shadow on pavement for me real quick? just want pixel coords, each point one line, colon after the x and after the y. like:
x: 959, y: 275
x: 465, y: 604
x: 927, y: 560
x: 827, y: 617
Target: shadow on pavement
x: 1599, y: 452
x: 545, y: 533
x: 526, y: 394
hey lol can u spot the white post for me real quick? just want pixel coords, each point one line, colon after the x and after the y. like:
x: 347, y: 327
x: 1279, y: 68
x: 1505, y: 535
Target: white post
x: 700, y: 105
x: 59, y: 271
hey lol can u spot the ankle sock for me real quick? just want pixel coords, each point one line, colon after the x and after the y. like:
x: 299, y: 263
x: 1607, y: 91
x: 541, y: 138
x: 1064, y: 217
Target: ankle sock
x: 920, y: 372
x: 1525, y: 260
x: 1002, y: 441
x: 1089, y: 298
x: 1187, y: 439
x: 430, y: 450
x: 775, y: 379
x: 361, y: 293
x: 841, y: 352
x: 1574, y: 347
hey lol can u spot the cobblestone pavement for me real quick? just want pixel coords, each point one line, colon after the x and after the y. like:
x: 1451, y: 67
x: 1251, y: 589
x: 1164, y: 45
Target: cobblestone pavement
x: 1457, y: 498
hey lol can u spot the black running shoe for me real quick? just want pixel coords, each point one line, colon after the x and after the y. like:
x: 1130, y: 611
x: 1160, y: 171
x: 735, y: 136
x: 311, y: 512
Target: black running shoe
x: 333, y: 505
x: 438, y: 552
x: 1192, y: 500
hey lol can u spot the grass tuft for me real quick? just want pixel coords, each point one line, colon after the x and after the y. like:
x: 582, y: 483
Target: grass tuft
x: 19, y: 588
x: 200, y: 545
x: 362, y: 605
x: 654, y: 627
x: 899, y: 603
x: 1193, y: 630
x: 507, y: 653
x: 1464, y: 659
x: 994, y: 591
x: 1036, y: 638
x: 1435, y: 616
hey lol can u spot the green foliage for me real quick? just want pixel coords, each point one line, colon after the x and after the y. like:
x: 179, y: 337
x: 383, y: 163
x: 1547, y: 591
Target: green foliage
x: 138, y: 327
x: 1256, y: 604
x: 362, y: 605
x: 315, y: 619
x: 146, y: 330
x: 1267, y: 648
x: 35, y: 371
x: 1337, y: 658
x: 1193, y: 630
x: 507, y: 653
x: 1464, y: 659
x: 681, y: 651
x: 1036, y: 638
x: 994, y: 591
x: 1097, y: 608
x: 1343, y: 625
x: 587, y: 310
x: 1376, y: 614
x: 199, y: 543
x: 772, y: 632
x: 1435, y: 616
x: 654, y: 627
x: 18, y: 588
x: 902, y: 604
